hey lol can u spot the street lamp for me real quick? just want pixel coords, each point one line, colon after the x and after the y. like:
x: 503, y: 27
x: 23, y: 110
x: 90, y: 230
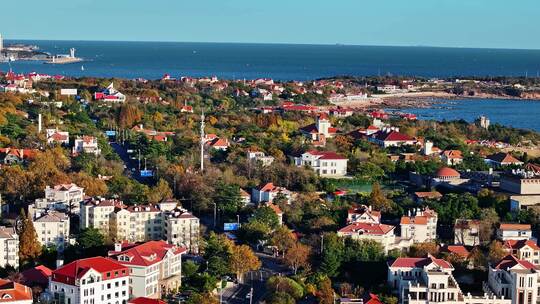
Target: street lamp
x: 215, y: 214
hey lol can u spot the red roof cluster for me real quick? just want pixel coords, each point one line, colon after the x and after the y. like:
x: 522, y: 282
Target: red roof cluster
x: 510, y: 261
x: 420, y: 262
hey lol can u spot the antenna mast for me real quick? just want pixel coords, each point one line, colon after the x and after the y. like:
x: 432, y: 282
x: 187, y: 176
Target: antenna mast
x: 202, y: 141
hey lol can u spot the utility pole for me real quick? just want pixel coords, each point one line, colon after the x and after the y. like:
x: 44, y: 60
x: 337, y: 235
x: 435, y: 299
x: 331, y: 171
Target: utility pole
x: 202, y: 144
x: 322, y: 243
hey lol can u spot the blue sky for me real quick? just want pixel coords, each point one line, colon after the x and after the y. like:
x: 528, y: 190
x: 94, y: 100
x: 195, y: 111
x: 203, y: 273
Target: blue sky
x: 459, y: 23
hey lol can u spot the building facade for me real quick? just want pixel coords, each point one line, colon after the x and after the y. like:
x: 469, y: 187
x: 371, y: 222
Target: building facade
x: 9, y: 247
x: 52, y: 228
x: 325, y: 164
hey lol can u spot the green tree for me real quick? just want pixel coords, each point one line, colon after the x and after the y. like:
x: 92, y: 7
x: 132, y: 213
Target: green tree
x: 29, y: 246
x: 160, y: 192
x: 228, y: 199
x: 267, y: 216
x: 378, y: 200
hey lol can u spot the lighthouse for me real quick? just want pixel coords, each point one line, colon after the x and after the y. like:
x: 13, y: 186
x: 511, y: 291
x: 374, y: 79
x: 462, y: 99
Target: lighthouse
x: 1, y: 43
x: 72, y: 52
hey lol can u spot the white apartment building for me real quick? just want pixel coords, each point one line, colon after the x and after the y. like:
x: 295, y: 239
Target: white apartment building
x: 516, y: 232
x: 526, y: 250
x: 9, y: 247
x: 155, y: 267
x: 63, y: 197
x: 96, y: 280
x: 260, y: 157
x: 86, y: 144
x: 136, y: 223
x: 430, y: 280
x: 182, y: 228
x: 52, y: 228
x: 420, y: 227
x: 324, y: 163
x: 140, y: 223
x: 96, y: 213
x: 514, y: 279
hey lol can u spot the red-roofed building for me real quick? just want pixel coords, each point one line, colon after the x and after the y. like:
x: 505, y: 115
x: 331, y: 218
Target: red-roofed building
x: 10, y: 156
x: 37, y: 276
x: 526, y: 250
x: 509, y: 231
x: 324, y: 163
x: 91, y: 280
x: 514, y: 279
x: 391, y: 137
x: 57, y: 137
x: 110, y: 94
x: 155, y: 267
x: 143, y: 300
x: 419, y: 227
x: 363, y: 214
x: 452, y: 157
x: 86, y: 144
x: 319, y: 131
x: 268, y: 192
x: 503, y: 159
x: 15, y: 293
x: 381, y: 233
x: 457, y: 250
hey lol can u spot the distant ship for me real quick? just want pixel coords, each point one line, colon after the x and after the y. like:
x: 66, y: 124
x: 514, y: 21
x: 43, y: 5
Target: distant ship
x: 82, y: 67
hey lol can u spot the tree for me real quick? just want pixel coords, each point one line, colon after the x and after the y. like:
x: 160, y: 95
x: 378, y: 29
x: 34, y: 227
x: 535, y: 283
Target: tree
x: 280, y: 298
x: 254, y: 232
x: 267, y: 216
x: 332, y: 255
x: 282, y: 238
x: 92, y: 186
x: 423, y: 249
x: 217, y: 252
x: 243, y: 259
x: 325, y: 293
x: 228, y: 199
x: 189, y: 268
x: 496, y: 251
x: 202, y: 298
x: 378, y: 200
x: 297, y: 256
x: 29, y: 246
x: 488, y: 220
x: 160, y: 192
x: 279, y: 284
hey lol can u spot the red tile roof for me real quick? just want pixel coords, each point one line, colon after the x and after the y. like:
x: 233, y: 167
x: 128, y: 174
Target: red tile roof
x: 429, y: 194
x: 148, y: 253
x: 504, y: 226
x: 37, y: 275
x: 420, y: 262
x: 143, y: 300
x: 109, y: 269
x: 326, y: 154
x: 457, y: 250
x: 510, y: 261
x: 513, y: 244
x: 504, y: 158
x: 392, y: 136
x: 414, y: 220
x: 11, y: 292
x: 366, y: 228
x: 447, y: 172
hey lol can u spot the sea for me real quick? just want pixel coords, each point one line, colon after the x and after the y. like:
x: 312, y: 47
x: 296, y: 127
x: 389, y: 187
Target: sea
x: 151, y: 60
x: 522, y: 114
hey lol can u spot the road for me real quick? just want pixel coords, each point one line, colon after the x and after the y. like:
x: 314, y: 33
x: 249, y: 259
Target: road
x: 132, y: 165
x: 255, y: 279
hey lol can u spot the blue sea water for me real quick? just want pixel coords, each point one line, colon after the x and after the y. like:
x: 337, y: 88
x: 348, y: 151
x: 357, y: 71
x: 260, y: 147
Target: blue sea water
x: 279, y: 61
x: 151, y: 60
x: 523, y: 114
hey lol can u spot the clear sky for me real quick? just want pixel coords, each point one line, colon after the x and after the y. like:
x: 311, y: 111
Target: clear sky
x: 459, y: 23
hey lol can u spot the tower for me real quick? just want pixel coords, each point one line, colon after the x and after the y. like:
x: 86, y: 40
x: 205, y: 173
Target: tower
x: 72, y: 52
x: 323, y: 124
x: 202, y: 142
x: 428, y: 146
x: 1, y: 43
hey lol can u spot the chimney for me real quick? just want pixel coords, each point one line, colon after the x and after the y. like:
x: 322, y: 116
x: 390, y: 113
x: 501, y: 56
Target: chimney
x: 117, y: 247
x: 59, y: 263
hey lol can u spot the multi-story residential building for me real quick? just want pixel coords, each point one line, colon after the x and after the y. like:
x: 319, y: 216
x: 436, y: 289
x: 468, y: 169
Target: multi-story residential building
x: 110, y: 94
x: 452, y: 157
x: 516, y: 232
x: 467, y: 232
x: 420, y: 227
x: 324, y: 163
x: 514, y: 279
x: 15, y: 293
x: 259, y: 157
x: 9, y: 247
x: 52, y: 228
x: 96, y: 213
x: 182, y: 228
x: 63, y: 197
x: 141, y: 223
x: 136, y: 223
x: 526, y: 250
x: 268, y: 192
x: 155, y: 267
x: 86, y: 144
x: 430, y: 280
x: 526, y: 183
x: 363, y: 214
x: 96, y: 280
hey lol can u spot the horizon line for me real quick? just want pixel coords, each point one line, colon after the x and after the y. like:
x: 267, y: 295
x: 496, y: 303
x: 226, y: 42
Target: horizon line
x: 284, y: 43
